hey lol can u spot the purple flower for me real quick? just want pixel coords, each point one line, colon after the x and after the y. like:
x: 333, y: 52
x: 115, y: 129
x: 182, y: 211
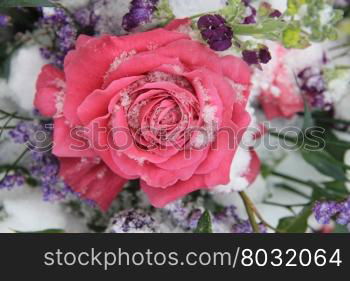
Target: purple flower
x: 45, y: 168
x: 344, y: 213
x: 216, y: 32
x: 246, y: 227
x: 313, y: 84
x: 86, y: 17
x: 46, y: 53
x: 66, y: 33
x: 250, y: 13
x: 275, y: 14
x: 140, y: 12
x: 24, y: 132
x: 229, y: 218
x: 183, y: 214
x: 250, y: 57
x: 131, y: 221
x: 4, y: 20
x: 12, y: 180
x: 58, y: 17
x: 193, y: 218
x: 325, y: 211
x: 261, y: 55
x: 264, y: 55
x: 251, y: 18
x: 328, y: 210
x: 66, y: 37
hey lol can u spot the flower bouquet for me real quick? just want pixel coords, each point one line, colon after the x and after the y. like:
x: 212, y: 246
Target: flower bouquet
x: 224, y: 116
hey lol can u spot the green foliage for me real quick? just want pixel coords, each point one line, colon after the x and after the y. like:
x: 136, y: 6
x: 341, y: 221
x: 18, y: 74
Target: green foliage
x: 26, y: 3
x: 340, y: 229
x: 293, y: 6
x: 325, y: 163
x: 295, y: 224
x: 204, y: 224
x: 293, y: 37
x: 50, y: 231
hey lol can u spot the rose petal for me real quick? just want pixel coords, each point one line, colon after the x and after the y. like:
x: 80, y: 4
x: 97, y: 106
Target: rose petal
x: 70, y: 141
x: 161, y: 197
x: 96, y: 104
x: 48, y: 85
x: 91, y: 180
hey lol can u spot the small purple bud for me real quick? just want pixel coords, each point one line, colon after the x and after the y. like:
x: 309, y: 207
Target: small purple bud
x: 264, y: 55
x: 249, y: 20
x: 220, y: 46
x: 275, y: 14
x: 4, y: 20
x: 216, y: 32
x: 250, y: 57
x: 324, y: 211
x: 140, y: 12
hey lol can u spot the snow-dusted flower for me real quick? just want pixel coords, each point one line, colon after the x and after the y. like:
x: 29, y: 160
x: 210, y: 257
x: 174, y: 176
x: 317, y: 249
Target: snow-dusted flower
x: 325, y: 211
x: 12, y: 180
x: 140, y: 12
x: 184, y: 113
x: 276, y: 84
x: 132, y: 221
x: 216, y: 32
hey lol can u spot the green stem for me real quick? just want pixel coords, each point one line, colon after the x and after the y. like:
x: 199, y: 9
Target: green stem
x: 343, y: 67
x: 15, y: 116
x: 13, y: 166
x: 284, y: 206
x: 290, y: 178
x: 333, y: 121
x: 250, y: 211
x: 247, y: 29
x: 10, y: 118
x: 292, y: 189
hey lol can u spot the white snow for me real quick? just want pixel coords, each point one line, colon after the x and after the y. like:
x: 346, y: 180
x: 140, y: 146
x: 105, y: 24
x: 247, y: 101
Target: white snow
x: 26, y: 211
x: 326, y: 14
x: 72, y: 4
x: 186, y: 8
x: 239, y: 167
x: 338, y: 92
x: 111, y: 13
x: 280, y: 5
x: 25, y: 66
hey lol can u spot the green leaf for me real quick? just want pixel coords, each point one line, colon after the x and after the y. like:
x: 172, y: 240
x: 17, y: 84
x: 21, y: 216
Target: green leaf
x: 294, y: 38
x: 204, y: 224
x: 296, y: 224
x: 340, y: 229
x: 308, y: 121
x: 52, y: 230
x: 334, y: 146
x: 265, y: 170
x: 26, y: 3
x: 323, y: 162
x: 329, y: 191
x: 337, y: 187
x: 294, y: 6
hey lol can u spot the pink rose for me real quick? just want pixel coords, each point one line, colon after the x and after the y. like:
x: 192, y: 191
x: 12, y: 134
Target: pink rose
x: 150, y: 106
x: 279, y: 94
